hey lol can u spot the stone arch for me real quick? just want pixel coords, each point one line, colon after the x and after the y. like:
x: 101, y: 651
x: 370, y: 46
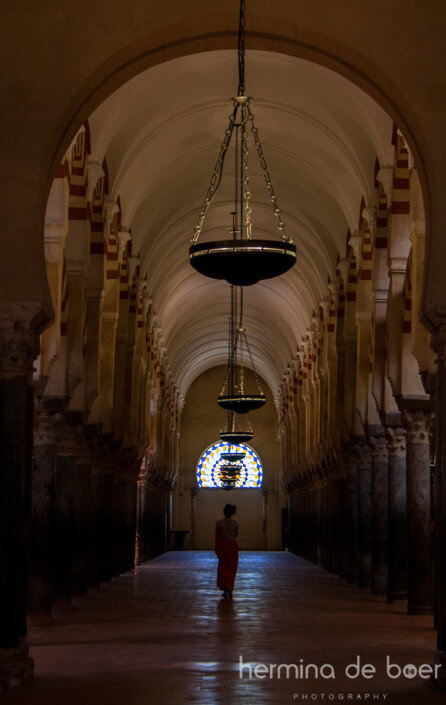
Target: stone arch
x: 210, y: 33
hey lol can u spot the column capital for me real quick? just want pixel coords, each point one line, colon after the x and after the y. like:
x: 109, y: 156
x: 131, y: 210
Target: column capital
x: 369, y: 214
x: 342, y: 267
x: 378, y: 448
x: 19, y: 346
x: 48, y: 429
x: 94, y: 172
x: 72, y: 442
x: 417, y: 424
x: 111, y: 208
x: 355, y: 243
x: 133, y: 264
x: 385, y: 178
x: 16, y: 667
x: 123, y: 238
x: 396, y: 439
x: 364, y: 456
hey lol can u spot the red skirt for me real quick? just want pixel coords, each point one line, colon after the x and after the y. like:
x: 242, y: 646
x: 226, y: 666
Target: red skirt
x: 227, y: 553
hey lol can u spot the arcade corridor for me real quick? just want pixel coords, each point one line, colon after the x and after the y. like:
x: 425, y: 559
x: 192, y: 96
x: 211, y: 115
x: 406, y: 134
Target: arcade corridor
x: 211, y: 208
x: 161, y: 634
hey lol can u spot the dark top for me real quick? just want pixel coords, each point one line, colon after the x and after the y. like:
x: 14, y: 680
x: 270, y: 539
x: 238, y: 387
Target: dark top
x: 226, y: 528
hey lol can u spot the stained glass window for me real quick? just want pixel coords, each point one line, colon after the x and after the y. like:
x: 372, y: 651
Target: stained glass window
x: 209, y: 473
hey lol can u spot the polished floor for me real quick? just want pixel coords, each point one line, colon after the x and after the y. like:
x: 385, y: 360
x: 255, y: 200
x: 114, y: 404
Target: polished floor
x: 161, y: 634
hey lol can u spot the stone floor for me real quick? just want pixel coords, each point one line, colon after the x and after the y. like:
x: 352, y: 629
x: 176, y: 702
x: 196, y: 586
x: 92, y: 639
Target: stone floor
x: 161, y: 634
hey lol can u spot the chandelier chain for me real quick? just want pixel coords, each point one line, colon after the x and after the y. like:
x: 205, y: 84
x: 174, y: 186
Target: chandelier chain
x: 216, y: 176
x: 246, y: 191
x: 266, y: 174
x: 241, y: 50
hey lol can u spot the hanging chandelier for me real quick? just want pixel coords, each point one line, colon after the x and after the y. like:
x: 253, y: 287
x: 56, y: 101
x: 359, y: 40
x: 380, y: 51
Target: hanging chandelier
x: 229, y: 475
x: 233, y: 457
x: 233, y: 396
x: 241, y: 260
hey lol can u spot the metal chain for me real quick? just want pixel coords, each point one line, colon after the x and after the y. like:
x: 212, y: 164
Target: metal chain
x: 241, y: 50
x: 237, y: 229
x: 269, y: 185
x: 216, y: 176
x: 246, y: 191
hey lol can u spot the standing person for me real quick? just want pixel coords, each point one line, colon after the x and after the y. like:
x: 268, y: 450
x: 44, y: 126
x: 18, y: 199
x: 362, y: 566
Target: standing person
x: 226, y: 548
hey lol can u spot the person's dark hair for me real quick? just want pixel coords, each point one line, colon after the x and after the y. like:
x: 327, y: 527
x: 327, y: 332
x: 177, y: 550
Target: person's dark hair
x: 229, y: 510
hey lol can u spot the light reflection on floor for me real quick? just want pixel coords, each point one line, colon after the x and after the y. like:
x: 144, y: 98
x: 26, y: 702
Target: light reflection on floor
x: 163, y: 635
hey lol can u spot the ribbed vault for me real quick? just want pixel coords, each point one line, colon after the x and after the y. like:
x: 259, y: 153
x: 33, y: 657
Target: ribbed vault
x: 161, y: 132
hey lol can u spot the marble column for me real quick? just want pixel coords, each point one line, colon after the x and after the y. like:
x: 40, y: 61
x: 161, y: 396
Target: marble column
x: 337, y: 525
x: 397, y: 515
x: 193, y: 496
x: 439, y: 345
x: 419, y: 520
x: 41, y: 569
x: 65, y: 489
x: 97, y: 518
x: 81, y: 526
x: 364, y: 516
x: 117, y: 537
x: 380, y: 507
x: 343, y: 526
x: 18, y: 348
x: 106, y: 533
x: 351, y: 462
x: 265, y: 519
x: 129, y: 523
x: 319, y: 508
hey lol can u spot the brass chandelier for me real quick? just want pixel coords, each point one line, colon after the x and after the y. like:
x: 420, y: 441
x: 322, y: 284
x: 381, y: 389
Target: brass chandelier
x: 241, y: 260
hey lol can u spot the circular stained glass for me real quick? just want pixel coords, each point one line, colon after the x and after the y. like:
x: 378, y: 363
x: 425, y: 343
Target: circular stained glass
x: 211, y: 461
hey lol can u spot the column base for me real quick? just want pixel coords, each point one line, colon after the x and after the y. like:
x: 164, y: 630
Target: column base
x: 16, y: 667
x: 419, y: 610
x: 440, y: 659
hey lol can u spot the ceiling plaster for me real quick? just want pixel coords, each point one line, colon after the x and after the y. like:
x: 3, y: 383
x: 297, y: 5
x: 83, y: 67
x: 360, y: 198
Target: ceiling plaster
x: 161, y: 133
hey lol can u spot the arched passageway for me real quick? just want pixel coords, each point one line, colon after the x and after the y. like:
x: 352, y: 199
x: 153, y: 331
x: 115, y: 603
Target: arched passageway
x: 104, y: 435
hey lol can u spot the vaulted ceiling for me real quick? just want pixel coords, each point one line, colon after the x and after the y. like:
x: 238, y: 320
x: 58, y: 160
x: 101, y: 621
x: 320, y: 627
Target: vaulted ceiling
x: 161, y: 133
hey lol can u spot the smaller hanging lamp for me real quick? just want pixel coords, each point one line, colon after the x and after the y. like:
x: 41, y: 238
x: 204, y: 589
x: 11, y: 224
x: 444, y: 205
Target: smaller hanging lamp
x: 231, y: 434
x: 241, y: 260
x: 236, y: 437
x: 233, y: 396
x: 232, y: 457
x: 229, y: 474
